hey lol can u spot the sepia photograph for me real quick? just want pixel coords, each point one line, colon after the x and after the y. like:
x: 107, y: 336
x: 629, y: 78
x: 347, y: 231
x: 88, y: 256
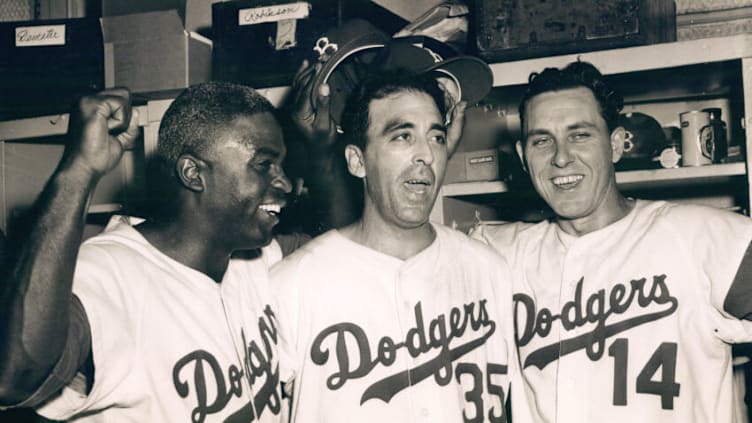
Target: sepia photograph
x: 281, y: 211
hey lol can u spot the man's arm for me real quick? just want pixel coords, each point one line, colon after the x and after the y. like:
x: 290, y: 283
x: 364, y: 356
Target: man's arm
x: 36, y: 298
x: 331, y: 197
x: 739, y: 298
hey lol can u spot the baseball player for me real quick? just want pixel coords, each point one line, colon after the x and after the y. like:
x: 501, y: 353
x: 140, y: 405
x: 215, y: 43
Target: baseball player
x: 162, y: 320
x: 393, y: 318
x: 624, y: 309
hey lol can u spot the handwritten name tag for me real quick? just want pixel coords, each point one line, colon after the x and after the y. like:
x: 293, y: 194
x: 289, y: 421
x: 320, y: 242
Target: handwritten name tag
x: 275, y: 13
x: 43, y: 35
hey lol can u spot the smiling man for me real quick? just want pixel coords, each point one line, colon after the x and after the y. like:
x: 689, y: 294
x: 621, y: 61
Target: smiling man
x: 624, y: 308
x: 160, y: 321
x: 393, y: 318
x: 569, y: 152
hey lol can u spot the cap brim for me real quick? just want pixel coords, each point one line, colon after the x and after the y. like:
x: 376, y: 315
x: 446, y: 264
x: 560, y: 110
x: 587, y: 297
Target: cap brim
x: 370, y: 41
x: 473, y: 74
x: 337, y: 58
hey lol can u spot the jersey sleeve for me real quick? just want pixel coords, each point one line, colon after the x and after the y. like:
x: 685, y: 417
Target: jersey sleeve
x: 739, y: 298
x: 718, y: 241
x: 504, y: 294
x: 113, y: 321
x: 519, y: 393
x: 722, y: 239
x: 75, y: 356
x: 501, y: 237
x: 282, y: 245
x: 284, y: 277
x: 288, y: 243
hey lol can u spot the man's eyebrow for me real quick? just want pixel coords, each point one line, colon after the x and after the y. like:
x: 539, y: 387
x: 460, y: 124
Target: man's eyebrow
x: 537, y: 131
x: 581, y: 125
x: 570, y: 127
x: 395, y: 125
x: 272, y: 152
x: 438, y: 127
x: 399, y: 123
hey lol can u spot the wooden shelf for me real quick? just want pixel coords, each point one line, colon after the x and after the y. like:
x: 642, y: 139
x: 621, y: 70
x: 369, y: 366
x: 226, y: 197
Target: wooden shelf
x: 27, y: 129
x: 633, y: 59
x: 633, y: 179
x: 473, y: 188
x: 694, y: 175
x: 41, y: 126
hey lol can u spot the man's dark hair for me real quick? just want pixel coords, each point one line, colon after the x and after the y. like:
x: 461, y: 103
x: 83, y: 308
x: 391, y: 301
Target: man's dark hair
x: 576, y: 74
x: 193, y: 120
x: 356, y: 117
x: 192, y: 124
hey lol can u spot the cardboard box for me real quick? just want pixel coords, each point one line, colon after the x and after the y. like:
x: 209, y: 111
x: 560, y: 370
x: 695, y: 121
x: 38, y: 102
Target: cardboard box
x: 478, y: 155
x: 152, y: 51
x: 466, y: 166
x: 195, y: 14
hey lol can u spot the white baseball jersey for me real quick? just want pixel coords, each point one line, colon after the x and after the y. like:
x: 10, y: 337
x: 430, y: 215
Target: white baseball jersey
x: 368, y: 337
x: 168, y: 342
x: 626, y: 324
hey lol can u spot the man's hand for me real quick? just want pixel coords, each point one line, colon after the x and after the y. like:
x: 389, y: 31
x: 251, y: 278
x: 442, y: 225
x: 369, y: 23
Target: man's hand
x: 309, y: 113
x: 104, y: 127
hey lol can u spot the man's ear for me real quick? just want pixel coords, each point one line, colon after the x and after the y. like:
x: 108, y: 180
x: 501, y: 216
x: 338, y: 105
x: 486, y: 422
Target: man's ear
x: 618, y: 136
x: 190, y: 169
x: 521, y: 154
x: 356, y: 163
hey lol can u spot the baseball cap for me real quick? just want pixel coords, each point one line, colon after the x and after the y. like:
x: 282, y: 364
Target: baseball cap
x: 346, y: 52
x: 644, y: 138
x: 422, y: 54
x: 355, y: 48
x: 337, y: 44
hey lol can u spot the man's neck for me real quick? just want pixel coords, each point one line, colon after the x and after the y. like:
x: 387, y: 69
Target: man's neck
x: 398, y: 242
x: 582, y: 226
x: 187, y: 246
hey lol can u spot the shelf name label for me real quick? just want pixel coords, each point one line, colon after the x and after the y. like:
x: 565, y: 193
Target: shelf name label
x: 276, y: 13
x: 481, y: 159
x: 40, y: 35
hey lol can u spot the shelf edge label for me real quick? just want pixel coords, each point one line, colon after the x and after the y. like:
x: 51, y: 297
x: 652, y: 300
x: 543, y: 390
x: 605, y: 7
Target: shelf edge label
x: 40, y: 35
x: 276, y: 13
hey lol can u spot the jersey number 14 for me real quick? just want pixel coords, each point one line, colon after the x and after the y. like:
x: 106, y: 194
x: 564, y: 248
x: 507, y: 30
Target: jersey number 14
x: 664, y: 358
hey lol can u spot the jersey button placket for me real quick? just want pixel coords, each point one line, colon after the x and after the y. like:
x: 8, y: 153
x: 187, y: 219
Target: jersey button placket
x: 406, y: 315
x: 572, y: 273
x: 405, y: 297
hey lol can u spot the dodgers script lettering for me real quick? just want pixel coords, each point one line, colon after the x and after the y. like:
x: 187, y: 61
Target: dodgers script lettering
x: 425, y: 337
x: 597, y: 309
x: 200, y: 369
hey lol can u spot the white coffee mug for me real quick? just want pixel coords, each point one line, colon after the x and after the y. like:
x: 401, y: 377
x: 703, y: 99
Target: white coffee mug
x: 695, y: 133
